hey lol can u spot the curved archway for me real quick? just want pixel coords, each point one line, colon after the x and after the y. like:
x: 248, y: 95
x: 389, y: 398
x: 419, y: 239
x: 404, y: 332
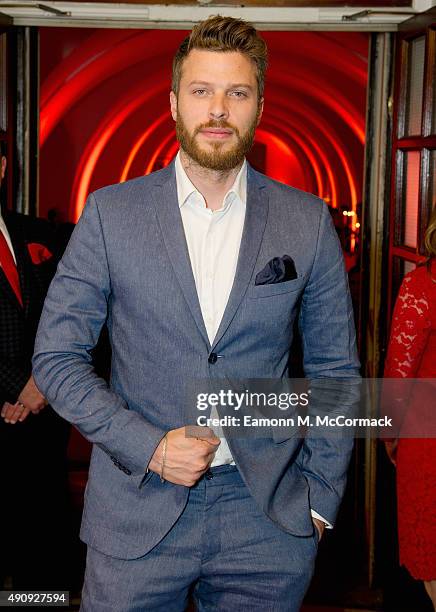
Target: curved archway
x: 104, y: 97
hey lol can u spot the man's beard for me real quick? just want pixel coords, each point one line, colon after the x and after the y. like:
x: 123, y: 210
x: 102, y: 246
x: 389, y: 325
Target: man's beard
x: 215, y: 159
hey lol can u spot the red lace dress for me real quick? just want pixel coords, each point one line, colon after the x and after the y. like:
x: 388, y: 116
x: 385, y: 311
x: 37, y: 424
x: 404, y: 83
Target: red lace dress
x: 412, y: 354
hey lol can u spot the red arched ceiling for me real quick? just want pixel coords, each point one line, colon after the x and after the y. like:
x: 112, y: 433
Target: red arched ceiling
x: 104, y: 111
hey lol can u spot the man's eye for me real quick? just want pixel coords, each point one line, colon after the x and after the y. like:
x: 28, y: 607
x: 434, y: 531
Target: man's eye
x: 238, y: 94
x: 200, y: 92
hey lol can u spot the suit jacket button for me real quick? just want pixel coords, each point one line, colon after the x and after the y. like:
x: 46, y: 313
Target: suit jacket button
x: 213, y: 358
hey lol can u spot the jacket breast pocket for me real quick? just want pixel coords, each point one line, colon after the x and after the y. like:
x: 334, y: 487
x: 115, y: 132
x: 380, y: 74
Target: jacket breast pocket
x: 264, y: 291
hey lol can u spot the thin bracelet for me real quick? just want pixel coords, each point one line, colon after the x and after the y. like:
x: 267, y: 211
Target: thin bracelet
x: 164, y: 455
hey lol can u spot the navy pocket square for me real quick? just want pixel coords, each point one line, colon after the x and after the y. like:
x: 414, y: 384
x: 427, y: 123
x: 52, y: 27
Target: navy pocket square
x: 277, y: 270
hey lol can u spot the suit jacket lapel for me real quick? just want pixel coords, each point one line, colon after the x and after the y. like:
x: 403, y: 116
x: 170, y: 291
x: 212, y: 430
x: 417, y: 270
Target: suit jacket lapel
x: 18, y: 245
x: 7, y: 290
x: 254, y: 226
x: 24, y: 272
x: 170, y: 222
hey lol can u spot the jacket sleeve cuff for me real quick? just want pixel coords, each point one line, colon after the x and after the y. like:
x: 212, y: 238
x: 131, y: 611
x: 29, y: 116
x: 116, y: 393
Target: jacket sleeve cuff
x: 315, y: 514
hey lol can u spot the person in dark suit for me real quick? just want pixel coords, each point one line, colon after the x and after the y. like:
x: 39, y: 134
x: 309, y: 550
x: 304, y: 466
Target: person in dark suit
x: 32, y: 437
x: 199, y: 271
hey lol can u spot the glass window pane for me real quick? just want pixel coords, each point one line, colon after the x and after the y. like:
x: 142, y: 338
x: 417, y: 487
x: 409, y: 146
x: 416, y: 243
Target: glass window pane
x: 415, y: 86
x: 433, y: 97
x: 400, y: 268
x: 408, y: 267
x: 428, y: 195
x: 408, y: 219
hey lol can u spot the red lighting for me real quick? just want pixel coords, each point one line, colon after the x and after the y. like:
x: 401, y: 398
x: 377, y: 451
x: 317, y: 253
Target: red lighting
x: 104, y: 112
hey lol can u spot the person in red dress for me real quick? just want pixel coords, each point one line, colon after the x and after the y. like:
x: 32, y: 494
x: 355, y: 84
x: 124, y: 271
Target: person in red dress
x: 412, y: 354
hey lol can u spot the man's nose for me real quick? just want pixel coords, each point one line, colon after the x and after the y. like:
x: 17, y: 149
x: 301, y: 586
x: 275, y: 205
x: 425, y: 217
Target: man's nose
x: 218, y: 107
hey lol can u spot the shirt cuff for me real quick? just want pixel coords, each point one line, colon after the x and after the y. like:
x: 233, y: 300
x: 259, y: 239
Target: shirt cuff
x: 321, y: 518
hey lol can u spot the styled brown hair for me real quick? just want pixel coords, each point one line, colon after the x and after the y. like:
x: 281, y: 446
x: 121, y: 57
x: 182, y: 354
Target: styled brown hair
x: 430, y: 235
x: 224, y: 34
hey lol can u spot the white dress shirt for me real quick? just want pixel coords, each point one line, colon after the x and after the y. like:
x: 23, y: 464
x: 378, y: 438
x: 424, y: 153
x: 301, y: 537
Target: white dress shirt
x: 213, y: 239
x: 4, y: 231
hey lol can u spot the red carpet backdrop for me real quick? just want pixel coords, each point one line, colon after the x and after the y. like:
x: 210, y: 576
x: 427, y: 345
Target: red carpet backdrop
x: 104, y: 112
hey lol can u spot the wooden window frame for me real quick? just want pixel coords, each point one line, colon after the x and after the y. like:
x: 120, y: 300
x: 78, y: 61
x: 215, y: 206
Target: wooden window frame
x: 424, y: 143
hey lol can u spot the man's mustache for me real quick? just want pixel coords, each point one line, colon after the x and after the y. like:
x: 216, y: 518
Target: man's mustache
x: 216, y: 124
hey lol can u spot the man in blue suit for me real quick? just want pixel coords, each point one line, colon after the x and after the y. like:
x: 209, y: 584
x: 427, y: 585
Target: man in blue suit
x: 199, y: 271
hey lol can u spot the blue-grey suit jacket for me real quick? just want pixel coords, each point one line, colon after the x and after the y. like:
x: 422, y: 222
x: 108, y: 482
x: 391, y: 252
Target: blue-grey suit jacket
x: 127, y: 264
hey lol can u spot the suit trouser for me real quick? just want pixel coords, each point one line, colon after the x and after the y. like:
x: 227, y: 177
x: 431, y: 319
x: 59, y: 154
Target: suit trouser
x: 222, y: 550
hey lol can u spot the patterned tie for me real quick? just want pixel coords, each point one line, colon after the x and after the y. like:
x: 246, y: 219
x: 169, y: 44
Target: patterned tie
x: 9, y: 268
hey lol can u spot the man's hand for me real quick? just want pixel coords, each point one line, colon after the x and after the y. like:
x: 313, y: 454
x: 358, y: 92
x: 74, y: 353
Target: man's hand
x: 29, y: 400
x: 31, y: 397
x: 12, y: 413
x: 320, y: 526
x: 187, y: 458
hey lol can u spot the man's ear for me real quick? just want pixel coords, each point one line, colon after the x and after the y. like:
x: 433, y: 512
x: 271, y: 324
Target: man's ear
x: 260, y: 111
x: 173, y: 105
